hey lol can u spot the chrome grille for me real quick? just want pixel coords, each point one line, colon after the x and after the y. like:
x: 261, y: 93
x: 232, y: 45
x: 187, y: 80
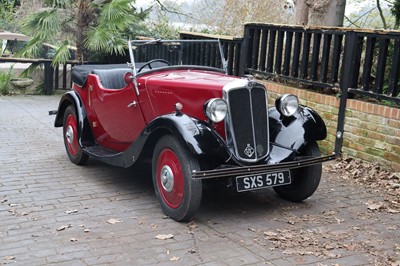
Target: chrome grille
x: 247, y: 121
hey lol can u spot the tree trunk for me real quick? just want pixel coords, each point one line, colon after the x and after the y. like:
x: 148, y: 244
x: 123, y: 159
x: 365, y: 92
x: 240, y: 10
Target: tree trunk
x: 320, y: 12
x: 82, y: 27
x: 335, y: 13
x: 301, y: 12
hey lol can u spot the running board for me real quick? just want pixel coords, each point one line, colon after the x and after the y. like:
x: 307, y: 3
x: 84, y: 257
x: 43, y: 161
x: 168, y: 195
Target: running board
x: 106, y: 156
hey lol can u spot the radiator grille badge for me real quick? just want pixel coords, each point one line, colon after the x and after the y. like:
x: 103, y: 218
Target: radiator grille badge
x: 249, y: 151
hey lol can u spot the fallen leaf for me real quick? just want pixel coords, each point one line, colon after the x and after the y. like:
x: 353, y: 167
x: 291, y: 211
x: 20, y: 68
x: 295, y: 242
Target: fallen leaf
x: 86, y: 230
x: 270, y: 233
x: 113, y: 221
x: 9, y: 258
x: 375, y: 206
x: 192, y: 225
x: 220, y: 235
x: 3, y: 200
x: 164, y: 237
x: 174, y: 258
x: 71, y: 211
x: 192, y: 251
x: 63, y: 227
x: 13, y: 205
x: 392, y: 210
x: 396, y: 263
x: 73, y: 239
x: 252, y: 230
x: 154, y: 226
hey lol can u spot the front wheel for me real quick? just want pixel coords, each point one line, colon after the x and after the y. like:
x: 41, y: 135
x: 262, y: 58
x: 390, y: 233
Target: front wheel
x: 305, y: 180
x: 70, y: 132
x: 172, y: 167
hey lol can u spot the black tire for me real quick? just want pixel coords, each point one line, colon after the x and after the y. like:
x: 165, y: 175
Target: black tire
x: 70, y: 136
x: 172, y: 167
x: 305, y: 180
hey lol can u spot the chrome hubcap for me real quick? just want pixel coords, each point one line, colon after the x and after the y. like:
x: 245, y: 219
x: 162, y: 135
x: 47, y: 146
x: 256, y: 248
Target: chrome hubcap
x: 69, y: 134
x: 167, y: 178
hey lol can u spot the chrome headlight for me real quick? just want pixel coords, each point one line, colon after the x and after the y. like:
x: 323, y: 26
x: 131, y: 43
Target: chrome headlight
x: 216, y: 109
x: 287, y: 104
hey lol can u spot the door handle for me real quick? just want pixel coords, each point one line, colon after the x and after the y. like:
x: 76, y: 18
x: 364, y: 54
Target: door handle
x: 134, y: 103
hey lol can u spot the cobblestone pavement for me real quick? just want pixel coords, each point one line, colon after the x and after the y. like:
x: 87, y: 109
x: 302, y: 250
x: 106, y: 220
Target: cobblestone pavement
x: 54, y: 212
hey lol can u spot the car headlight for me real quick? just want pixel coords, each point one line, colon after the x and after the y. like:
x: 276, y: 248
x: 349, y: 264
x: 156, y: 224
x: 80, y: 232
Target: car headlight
x: 287, y: 104
x: 216, y: 109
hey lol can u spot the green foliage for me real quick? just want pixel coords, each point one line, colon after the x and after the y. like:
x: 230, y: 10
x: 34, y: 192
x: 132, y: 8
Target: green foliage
x: 40, y: 89
x: 58, y: 3
x: 373, y: 13
x: 113, y: 20
x: 7, y: 14
x: 163, y: 29
x: 395, y: 9
x: 90, y: 26
x: 5, y: 85
x: 43, y: 27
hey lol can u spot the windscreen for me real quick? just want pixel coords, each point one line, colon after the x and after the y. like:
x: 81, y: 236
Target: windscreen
x: 180, y: 52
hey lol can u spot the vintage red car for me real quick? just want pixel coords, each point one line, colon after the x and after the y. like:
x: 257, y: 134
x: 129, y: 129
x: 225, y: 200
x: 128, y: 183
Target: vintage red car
x: 193, y: 122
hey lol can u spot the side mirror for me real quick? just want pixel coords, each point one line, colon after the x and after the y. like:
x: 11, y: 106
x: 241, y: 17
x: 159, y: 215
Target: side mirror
x: 128, y: 77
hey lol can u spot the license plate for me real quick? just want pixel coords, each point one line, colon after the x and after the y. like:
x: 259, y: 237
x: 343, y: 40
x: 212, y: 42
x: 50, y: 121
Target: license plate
x: 259, y: 181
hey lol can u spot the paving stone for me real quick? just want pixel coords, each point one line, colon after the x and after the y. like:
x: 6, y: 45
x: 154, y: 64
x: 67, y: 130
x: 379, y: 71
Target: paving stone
x: 38, y: 185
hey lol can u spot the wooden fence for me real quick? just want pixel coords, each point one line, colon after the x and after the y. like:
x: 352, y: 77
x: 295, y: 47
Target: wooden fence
x: 367, y: 61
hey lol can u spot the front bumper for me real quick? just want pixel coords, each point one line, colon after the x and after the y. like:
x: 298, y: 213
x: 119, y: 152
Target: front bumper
x: 230, y: 171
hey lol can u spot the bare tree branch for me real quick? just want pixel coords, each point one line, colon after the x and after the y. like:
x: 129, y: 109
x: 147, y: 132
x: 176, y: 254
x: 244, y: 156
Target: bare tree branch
x: 378, y: 4
x: 165, y: 8
x: 360, y: 17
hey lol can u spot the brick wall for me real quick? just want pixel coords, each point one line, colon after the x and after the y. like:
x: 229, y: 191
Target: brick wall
x: 372, y: 131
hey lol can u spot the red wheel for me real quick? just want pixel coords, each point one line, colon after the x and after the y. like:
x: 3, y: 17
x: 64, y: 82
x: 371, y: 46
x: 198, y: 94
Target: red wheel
x: 178, y: 193
x: 70, y: 132
x: 170, y: 178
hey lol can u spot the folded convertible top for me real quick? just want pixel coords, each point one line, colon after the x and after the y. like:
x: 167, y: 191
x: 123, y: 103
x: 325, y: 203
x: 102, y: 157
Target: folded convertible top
x: 80, y: 73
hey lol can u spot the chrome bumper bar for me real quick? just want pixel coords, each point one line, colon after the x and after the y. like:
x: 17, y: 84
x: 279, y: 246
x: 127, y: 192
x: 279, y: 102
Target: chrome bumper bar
x: 257, y: 169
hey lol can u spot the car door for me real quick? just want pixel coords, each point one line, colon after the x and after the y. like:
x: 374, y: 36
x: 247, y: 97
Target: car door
x: 119, y: 116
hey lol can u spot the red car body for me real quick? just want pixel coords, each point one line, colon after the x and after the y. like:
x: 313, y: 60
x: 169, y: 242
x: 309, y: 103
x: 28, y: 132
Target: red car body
x: 170, y: 114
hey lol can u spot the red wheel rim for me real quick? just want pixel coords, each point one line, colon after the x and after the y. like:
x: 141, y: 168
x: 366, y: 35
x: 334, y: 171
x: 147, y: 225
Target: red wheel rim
x: 70, y: 135
x: 170, y: 180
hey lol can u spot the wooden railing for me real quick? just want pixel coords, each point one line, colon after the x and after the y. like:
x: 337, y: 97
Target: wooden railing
x: 230, y: 45
x: 51, y: 74
x: 367, y: 61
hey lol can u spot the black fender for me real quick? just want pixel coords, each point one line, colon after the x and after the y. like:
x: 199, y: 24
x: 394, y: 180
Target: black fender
x: 201, y: 140
x: 84, y: 131
x: 288, y: 135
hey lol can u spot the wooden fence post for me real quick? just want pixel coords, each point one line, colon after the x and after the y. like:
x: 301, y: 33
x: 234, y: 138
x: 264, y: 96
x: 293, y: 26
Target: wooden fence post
x: 48, y: 77
x: 244, y: 51
x: 346, y: 82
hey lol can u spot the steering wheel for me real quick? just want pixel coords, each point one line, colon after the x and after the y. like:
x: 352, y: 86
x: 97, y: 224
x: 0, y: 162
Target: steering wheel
x: 148, y: 64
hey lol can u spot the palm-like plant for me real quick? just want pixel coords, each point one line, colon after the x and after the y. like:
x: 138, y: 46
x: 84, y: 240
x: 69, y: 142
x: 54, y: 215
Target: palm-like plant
x: 87, y: 25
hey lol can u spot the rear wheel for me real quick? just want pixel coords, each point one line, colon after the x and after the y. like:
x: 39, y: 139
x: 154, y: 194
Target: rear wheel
x: 305, y: 180
x: 70, y: 133
x: 172, y: 167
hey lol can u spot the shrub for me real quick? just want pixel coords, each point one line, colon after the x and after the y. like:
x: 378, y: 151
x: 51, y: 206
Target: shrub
x: 5, y: 85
